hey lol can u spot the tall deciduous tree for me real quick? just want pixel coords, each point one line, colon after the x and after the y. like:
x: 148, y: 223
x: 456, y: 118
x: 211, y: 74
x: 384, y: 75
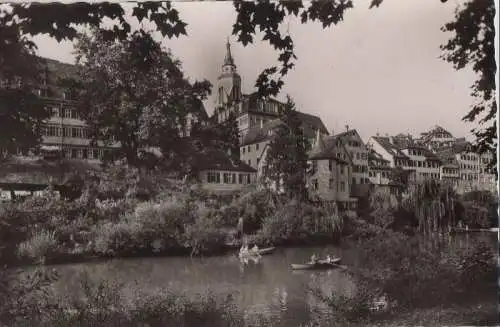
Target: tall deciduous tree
x: 131, y: 98
x: 21, y: 111
x: 61, y: 21
x: 472, y: 45
x: 286, y: 160
x: 229, y: 136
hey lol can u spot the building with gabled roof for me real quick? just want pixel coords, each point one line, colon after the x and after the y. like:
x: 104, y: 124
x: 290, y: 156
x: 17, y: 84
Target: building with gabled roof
x: 330, y: 174
x: 425, y: 163
x: 256, y: 139
x: 450, y: 168
x: 436, y: 137
x: 219, y: 172
x: 389, y: 151
x: 358, y: 152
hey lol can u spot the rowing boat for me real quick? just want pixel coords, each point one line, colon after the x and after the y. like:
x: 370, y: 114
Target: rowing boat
x: 259, y: 252
x: 320, y: 264
x: 268, y: 250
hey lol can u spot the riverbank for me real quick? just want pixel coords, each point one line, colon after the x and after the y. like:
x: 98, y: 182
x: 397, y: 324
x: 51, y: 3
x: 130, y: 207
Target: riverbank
x: 52, y: 231
x: 480, y: 313
x: 271, y: 287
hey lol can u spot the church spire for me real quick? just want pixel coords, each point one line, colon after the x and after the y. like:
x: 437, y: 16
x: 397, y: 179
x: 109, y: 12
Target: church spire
x: 228, y: 60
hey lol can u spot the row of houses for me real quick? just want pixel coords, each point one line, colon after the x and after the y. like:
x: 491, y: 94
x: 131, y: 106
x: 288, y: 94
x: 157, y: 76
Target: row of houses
x: 342, y: 165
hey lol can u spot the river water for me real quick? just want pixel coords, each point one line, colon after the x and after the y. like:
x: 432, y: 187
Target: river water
x: 269, y: 287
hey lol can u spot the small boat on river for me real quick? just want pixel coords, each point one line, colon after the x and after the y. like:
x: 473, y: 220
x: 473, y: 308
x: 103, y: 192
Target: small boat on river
x: 320, y: 264
x: 259, y: 252
x: 268, y: 250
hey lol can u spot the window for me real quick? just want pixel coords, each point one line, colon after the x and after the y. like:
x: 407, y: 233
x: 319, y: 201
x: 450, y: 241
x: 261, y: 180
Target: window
x: 213, y: 177
x: 74, y: 153
x: 234, y: 181
x: 330, y: 184
x: 315, y: 184
x: 353, y: 181
x: 221, y: 94
x: 257, y: 146
x: 243, y: 150
x: 314, y: 167
x: 227, y: 178
x: 55, y: 112
x: 342, y: 186
x: 240, y: 178
x: 248, y: 179
x: 341, y: 170
x: 330, y: 165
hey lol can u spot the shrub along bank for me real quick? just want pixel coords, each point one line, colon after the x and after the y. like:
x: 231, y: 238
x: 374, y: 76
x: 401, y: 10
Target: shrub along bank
x: 171, y: 222
x: 125, y: 212
x: 412, y: 275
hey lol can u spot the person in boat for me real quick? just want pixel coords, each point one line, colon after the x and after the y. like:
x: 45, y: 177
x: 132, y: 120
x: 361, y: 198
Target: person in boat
x: 244, y: 250
x: 329, y: 259
x: 255, y: 249
x: 314, y: 258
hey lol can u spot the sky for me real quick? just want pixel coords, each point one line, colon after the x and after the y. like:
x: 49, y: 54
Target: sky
x: 378, y: 71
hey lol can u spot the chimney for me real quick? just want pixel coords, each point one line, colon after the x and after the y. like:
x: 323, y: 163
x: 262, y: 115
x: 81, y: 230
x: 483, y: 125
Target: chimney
x: 346, y: 128
x: 261, y: 123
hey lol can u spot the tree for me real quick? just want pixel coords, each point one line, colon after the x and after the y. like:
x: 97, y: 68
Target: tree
x: 62, y: 20
x: 473, y: 45
x: 136, y: 100
x: 229, y: 136
x: 21, y: 111
x: 286, y: 161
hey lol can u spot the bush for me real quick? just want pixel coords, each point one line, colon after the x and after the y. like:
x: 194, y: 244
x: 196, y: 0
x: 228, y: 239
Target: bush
x: 300, y: 222
x: 41, y: 245
x: 24, y: 295
x: 411, y: 275
x: 253, y: 207
x: 152, y: 227
x: 475, y: 215
x: 205, y: 235
x: 101, y: 303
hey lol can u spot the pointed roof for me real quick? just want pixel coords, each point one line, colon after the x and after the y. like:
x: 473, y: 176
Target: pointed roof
x: 228, y: 59
x: 321, y: 151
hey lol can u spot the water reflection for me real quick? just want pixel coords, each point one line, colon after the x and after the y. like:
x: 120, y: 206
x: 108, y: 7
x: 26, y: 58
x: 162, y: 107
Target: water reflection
x: 267, y: 287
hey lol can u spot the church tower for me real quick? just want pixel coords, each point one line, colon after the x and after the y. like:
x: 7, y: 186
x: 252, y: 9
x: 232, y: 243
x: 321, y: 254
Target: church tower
x: 228, y: 87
